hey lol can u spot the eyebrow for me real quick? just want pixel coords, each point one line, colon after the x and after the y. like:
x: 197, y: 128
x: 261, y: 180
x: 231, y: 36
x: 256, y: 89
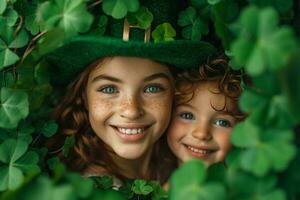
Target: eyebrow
x: 147, y: 79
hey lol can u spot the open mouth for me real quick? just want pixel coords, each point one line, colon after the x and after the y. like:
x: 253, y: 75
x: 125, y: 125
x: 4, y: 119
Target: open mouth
x: 199, y: 151
x: 131, y: 131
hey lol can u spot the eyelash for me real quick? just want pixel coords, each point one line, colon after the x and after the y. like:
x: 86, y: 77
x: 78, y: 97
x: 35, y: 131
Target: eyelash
x: 228, y: 124
x: 106, y: 87
x: 158, y: 88
x: 185, y: 116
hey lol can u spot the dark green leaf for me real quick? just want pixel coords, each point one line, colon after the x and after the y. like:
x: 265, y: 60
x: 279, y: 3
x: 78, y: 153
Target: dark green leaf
x: 49, y: 128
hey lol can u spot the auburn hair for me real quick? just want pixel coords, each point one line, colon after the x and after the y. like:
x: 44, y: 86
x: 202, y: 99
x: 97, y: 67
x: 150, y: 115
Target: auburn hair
x: 72, y: 116
x: 229, y: 83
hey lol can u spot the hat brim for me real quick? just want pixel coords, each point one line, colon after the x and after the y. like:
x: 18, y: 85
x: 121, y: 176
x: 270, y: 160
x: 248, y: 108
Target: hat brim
x: 70, y: 59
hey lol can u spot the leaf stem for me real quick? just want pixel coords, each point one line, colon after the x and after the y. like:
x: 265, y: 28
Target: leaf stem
x: 94, y: 4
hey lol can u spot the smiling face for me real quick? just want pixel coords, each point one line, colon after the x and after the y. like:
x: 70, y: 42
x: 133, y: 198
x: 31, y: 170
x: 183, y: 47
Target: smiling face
x: 201, y: 127
x: 129, y: 103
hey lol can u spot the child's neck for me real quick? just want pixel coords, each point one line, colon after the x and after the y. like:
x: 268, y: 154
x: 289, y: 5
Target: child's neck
x: 135, y: 168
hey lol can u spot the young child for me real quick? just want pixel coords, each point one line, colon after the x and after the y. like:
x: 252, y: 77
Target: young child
x: 205, y: 113
x: 120, y: 105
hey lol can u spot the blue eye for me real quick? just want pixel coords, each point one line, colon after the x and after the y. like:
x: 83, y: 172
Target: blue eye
x: 186, y: 115
x: 109, y: 90
x: 222, y: 123
x: 153, y: 89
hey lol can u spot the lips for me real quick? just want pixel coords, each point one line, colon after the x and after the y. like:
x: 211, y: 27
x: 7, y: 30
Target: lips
x: 131, y: 133
x: 200, y: 152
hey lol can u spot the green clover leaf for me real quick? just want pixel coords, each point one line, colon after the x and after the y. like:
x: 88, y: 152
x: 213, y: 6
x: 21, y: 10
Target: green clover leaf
x: 10, y: 16
x: 70, y: 15
x: 69, y: 143
x: 282, y: 6
x: 15, y: 163
x: 183, y: 186
x: 3, y: 5
x: 49, y: 128
x: 141, y: 187
x: 119, y: 8
x: 163, y: 32
x: 105, y: 182
x: 82, y: 187
x: 262, y: 153
x: 14, y: 106
x: 261, y: 44
x: 194, y: 26
x: 8, y: 42
x: 142, y: 18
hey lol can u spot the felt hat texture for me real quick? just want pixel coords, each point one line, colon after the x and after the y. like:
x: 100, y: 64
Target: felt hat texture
x: 78, y: 52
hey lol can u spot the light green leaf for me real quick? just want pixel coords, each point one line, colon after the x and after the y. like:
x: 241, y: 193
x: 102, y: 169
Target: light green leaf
x: 7, y: 57
x: 183, y: 185
x: 142, y: 18
x: 115, y: 8
x: 11, y: 150
x: 11, y: 178
x: 11, y: 16
x: 28, y: 162
x: 245, y: 134
x: 132, y: 5
x: 70, y: 15
x: 3, y: 5
x: 14, y: 106
x: 163, y: 32
x: 20, y: 41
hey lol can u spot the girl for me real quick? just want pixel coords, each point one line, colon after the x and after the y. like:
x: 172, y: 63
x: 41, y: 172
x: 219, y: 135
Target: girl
x: 120, y: 105
x: 205, y: 113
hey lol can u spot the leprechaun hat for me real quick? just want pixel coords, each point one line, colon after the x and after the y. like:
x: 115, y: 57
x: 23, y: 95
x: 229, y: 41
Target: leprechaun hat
x: 128, y: 37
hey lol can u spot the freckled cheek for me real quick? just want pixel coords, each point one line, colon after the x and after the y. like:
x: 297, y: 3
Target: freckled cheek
x: 99, y: 107
x: 160, y: 106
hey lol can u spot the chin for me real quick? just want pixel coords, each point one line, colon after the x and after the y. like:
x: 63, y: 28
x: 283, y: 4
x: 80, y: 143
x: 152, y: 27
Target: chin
x: 130, y: 154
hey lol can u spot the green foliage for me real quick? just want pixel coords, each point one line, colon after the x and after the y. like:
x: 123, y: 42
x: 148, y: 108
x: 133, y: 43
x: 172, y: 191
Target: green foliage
x: 258, y: 35
x: 119, y: 8
x: 261, y: 44
x: 142, y: 18
x: 193, y: 25
x: 70, y: 15
x: 13, y: 107
x: 163, y: 32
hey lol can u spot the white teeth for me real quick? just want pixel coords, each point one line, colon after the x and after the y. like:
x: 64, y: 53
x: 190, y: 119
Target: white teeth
x: 131, y: 131
x: 198, y: 150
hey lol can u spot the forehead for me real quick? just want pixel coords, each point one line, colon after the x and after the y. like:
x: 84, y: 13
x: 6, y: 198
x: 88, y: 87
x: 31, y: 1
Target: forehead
x: 206, y: 94
x: 129, y: 67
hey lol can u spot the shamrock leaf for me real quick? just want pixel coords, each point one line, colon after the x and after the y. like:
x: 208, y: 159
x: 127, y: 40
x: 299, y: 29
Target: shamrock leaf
x: 69, y: 143
x: 7, y: 42
x: 70, y: 15
x: 13, y: 107
x: 194, y: 26
x: 82, y: 187
x: 282, y: 6
x: 10, y: 16
x: 101, y: 25
x: 163, y: 32
x: 141, y: 187
x: 49, y: 128
x: 194, y: 186
x: 119, y: 8
x: 262, y: 153
x: 261, y: 45
x: 31, y: 18
x: 15, y: 163
x: 142, y: 18
x: 3, y: 5
x: 104, y: 182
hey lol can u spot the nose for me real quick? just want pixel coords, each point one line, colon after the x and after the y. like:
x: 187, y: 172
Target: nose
x: 131, y: 108
x: 202, y: 131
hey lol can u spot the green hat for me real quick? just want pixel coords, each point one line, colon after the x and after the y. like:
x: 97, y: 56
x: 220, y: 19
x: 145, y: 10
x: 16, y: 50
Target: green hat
x: 121, y: 38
